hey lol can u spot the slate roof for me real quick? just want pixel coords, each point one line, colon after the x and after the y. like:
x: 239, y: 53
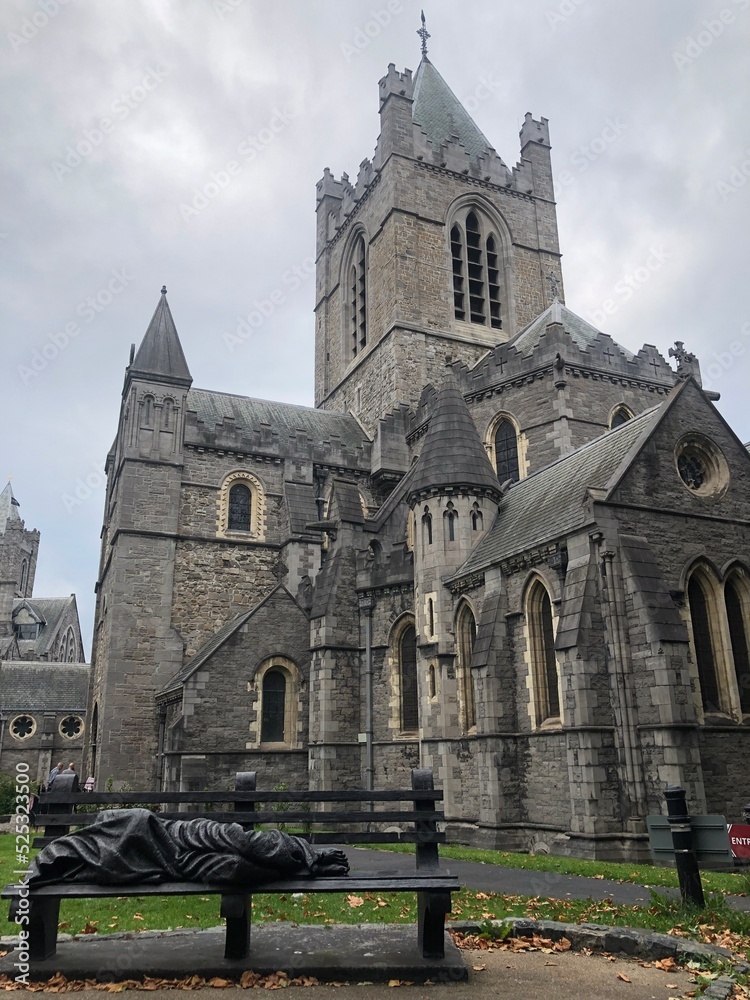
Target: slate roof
x: 583, y: 334
x: 213, y: 408
x: 441, y: 115
x: 348, y: 502
x: 50, y: 612
x: 50, y: 687
x: 453, y: 454
x: 550, y: 503
x: 300, y: 502
x: 160, y: 354
x: 8, y: 508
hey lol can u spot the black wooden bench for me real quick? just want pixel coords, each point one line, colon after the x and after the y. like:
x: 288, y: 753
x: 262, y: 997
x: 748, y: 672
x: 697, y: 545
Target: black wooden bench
x: 358, y: 819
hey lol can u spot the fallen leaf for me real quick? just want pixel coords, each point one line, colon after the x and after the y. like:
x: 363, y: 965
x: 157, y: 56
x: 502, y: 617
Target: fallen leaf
x: 479, y: 968
x: 355, y: 901
x: 623, y: 977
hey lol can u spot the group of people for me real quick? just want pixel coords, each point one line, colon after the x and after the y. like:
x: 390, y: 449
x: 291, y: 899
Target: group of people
x: 58, y: 769
x: 70, y: 769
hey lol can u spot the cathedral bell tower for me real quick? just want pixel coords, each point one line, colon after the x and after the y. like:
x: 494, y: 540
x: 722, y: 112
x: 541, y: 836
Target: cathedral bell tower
x: 136, y: 648
x: 437, y: 252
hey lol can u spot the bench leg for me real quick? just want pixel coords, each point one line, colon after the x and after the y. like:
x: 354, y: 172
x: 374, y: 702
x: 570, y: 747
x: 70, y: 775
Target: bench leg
x: 237, y: 912
x: 44, y: 916
x: 433, y: 907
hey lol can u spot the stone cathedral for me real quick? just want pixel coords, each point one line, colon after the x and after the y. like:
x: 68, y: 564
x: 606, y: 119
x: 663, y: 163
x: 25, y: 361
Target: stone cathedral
x: 500, y: 545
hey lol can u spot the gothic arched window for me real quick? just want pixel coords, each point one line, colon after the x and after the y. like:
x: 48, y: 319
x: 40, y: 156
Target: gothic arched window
x: 240, y: 508
x: 358, y: 296
x: 506, y: 452
x: 542, y: 650
x: 407, y: 663
x: 739, y: 623
x: 450, y: 516
x: 427, y: 527
x: 620, y: 415
x: 476, y: 517
x: 272, y: 727
x: 476, y: 270
x: 24, y: 577
x: 704, y: 645
x: 466, y: 633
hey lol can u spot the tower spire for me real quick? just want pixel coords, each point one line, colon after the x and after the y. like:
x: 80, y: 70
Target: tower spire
x: 424, y: 35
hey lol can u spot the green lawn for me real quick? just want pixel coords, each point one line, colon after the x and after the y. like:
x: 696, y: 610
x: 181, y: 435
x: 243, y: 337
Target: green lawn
x: 728, y: 883
x: 107, y: 916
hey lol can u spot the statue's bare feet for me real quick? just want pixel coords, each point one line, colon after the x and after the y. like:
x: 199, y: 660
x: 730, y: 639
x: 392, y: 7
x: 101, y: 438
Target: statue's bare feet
x: 333, y: 862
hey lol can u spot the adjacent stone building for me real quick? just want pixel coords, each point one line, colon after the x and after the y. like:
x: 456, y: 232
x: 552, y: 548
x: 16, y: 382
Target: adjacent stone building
x: 501, y: 545
x: 44, y: 680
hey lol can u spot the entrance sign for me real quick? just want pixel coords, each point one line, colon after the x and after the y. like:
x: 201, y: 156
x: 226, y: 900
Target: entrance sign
x: 739, y: 840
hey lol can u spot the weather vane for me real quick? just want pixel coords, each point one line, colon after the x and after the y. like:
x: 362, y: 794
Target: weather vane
x: 424, y: 35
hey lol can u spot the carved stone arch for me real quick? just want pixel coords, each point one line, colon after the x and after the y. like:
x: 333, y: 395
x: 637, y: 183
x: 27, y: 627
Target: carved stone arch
x: 619, y: 414
x: 549, y: 578
x: 697, y: 562
x: 355, y: 262
x: 256, y: 519
x: 708, y: 639
x: 736, y: 588
x: 492, y: 222
x: 402, y: 661
x: 543, y: 677
x: 465, y: 629
x: 490, y: 442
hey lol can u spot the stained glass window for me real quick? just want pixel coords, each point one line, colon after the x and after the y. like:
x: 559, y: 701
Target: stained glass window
x: 274, y: 704
x: 408, y: 670
x: 506, y: 452
x: 240, y: 508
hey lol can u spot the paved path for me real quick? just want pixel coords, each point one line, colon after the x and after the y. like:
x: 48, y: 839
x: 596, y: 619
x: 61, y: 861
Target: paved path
x: 519, y: 882
x: 527, y: 976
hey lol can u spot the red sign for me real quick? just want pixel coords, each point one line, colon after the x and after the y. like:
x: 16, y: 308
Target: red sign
x: 739, y: 838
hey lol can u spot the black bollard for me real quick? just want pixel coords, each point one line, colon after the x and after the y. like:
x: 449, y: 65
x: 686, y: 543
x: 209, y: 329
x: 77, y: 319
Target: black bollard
x: 682, y: 842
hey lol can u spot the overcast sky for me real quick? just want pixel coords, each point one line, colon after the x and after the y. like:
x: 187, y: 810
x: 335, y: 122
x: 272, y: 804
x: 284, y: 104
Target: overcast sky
x: 116, y: 113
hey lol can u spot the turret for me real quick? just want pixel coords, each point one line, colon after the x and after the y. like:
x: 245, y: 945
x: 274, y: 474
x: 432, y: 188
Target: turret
x: 18, y: 555
x: 454, y: 494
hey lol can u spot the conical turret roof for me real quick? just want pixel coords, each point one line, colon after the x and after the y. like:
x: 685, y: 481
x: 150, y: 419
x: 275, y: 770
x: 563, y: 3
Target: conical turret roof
x: 453, y: 454
x: 441, y: 115
x: 8, y: 508
x: 160, y: 357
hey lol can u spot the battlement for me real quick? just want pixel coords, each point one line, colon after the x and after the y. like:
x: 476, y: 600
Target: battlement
x: 534, y: 131
x: 328, y: 187
x: 400, y: 84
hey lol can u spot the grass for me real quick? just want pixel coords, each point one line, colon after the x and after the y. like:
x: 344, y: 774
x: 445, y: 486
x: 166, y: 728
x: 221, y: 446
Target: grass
x: 717, y: 923
x: 727, y: 883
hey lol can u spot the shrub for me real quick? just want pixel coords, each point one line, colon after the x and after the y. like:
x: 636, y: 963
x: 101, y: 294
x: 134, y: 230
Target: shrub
x: 7, y: 794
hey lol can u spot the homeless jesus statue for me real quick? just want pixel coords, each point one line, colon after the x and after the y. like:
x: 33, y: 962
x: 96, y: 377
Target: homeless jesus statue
x: 124, y: 846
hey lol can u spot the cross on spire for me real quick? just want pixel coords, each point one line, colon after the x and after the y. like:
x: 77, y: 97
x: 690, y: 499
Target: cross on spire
x: 424, y: 35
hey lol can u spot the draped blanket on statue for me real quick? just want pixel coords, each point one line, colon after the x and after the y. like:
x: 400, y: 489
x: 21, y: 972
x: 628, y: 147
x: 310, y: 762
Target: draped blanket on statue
x: 124, y: 846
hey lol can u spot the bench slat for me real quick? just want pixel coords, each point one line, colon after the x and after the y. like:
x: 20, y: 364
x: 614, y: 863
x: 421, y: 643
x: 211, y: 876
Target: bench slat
x: 355, y: 882
x: 301, y: 795
x: 341, y: 837
x: 286, y: 817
